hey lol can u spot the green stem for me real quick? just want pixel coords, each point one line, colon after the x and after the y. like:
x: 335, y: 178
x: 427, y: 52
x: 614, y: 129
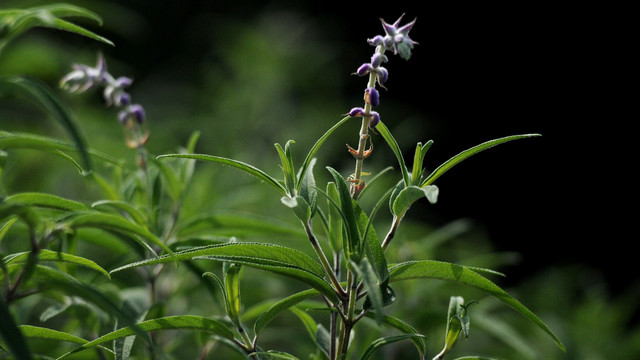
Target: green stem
x: 323, y: 260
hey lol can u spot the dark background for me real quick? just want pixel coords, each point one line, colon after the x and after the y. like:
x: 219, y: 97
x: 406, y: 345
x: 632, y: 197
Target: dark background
x: 480, y: 72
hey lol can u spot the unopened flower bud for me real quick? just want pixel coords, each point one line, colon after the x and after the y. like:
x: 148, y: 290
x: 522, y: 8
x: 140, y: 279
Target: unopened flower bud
x: 377, y: 59
x: 356, y: 111
x: 372, y: 96
x: 364, y: 69
x: 376, y: 40
x: 132, y: 112
x: 381, y: 75
x: 375, y: 119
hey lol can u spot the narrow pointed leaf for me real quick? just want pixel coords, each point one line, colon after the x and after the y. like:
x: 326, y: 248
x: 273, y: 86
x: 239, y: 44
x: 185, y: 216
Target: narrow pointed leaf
x: 308, y: 189
x: 419, y: 342
x: 115, y: 223
x: 368, y: 276
x: 4, y: 228
x: 315, y: 148
x: 30, y: 331
x: 380, y: 342
x: 287, y: 167
x: 429, y: 269
x: 274, y: 258
x: 249, y: 169
x: 350, y: 222
x: 335, y: 218
x: 48, y: 255
x: 393, y: 144
x: 447, y: 165
x: 281, y: 306
x: 45, y: 200
x: 372, y: 246
x: 179, y: 322
x: 135, y: 214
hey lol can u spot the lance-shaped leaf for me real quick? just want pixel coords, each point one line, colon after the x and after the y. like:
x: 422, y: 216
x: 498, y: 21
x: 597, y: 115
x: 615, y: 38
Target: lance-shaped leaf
x: 447, y: 165
x: 378, y: 343
x: 334, y: 218
x: 232, y: 290
x: 43, y: 97
x: 48, y: 255
x: 179, y: 322
x: 308, y: 189
x: 235, y: 224
x: 45, y: 200
x: 116, y: 223
x: 371, y: 242
x: 249, y: 169
x: 314, y: 149
x: 274, y: 258
x: 123, y: 206
x: 282, y: 305
x: 419, y: 342
x: 4, y: 228
x: 393, y: 144
x: 287, y: 167
x: 14, y: 22
x: 352, y: 248
x: 429, y: 269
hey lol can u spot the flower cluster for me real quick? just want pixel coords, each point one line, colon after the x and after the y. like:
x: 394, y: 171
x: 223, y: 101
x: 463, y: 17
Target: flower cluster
x: 132, y: 116
x: 396, y: 39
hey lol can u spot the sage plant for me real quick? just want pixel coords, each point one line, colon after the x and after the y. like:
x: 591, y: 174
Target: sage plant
x: 346, y: 270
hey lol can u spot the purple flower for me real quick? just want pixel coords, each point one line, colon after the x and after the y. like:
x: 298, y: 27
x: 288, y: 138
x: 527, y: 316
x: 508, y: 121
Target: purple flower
x: 397, y: 37
x: 372, y: 96
x: 114, y: 93
x: 83, y: 77
x: 381, y: 75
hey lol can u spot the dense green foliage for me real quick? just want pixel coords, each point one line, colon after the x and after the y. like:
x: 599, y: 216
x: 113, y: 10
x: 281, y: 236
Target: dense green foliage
x: 111, y: 252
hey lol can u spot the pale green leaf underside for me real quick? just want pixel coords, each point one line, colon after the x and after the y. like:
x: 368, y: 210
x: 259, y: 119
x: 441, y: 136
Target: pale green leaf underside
x: 430, y: 269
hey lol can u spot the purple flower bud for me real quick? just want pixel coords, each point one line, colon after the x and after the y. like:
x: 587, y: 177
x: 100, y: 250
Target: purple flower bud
x: 132, y: 112
x: 377, y: 59
x: 375, y: 119
x: 356, y: 111
x: 376, y: 40
x: 382, y: 75
x: 364, y: 69
x: 137, y: 111
x: 372, y: 96
x: 122, y: 82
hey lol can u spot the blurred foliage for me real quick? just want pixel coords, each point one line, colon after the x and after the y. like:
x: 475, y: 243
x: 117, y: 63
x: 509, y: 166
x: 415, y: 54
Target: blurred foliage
x: 256, y: 81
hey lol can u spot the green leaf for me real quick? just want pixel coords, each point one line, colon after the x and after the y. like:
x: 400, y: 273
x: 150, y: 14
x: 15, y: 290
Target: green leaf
x: 410, y: 194
x: 232, y: 290
x: 287, y: 167
x: 308, y: 189
x: 235, y: 224
x: 249, y: 169
x: 405, y: 328
x: 30, y: 331
x: 281, y: 306
x: 4, y: 229
x: 11, y: 335
x: 429, y: 269
x: 41, y: 95
x: 447, y: 165
x: 335, y: 218
x: 45, y: 200
x: 372, y: 245
x: 170, y: 178
x: 314, y: 149
x: 378, y: 343
x: 14, y: 22
x: 135, y: 214
x: 3, y: 160
x: 309, y: 323
x: 277, y: 259
x: 374, y: 294
x: 299, y: 206
x: 353, y: 237
x: 48, y: 255
x: 271, y: 354
x: 179, y: 322
x: 116, y: 223
x: 393, y: 144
